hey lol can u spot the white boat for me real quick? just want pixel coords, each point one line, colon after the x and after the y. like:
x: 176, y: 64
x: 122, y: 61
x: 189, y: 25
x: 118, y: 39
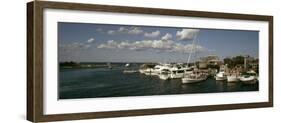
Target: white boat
x: 158, y: 68
x: 193, y: 78
x: 148, y: 71
x: 232, y: 78
x: 165, y: 74
x: 248, y: 79
x: 127, y: 65
x: 220, y: 76
x: 188, y: 71
x: 142, y: 71
x: 130, y: 71
x: 177, y: 73
x: 109, y: 65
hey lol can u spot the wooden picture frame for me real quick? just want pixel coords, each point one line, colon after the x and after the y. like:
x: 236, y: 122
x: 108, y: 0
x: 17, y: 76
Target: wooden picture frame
x: 35, y: 59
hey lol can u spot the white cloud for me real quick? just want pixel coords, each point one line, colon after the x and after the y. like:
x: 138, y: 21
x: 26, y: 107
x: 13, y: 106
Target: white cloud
x: 91, y: 40
x: 157, y: 45
x: 109, y: 45
x: 166, y: 37
x: 110, y: 32
x: 100, y: 30
x: 135, y: 31
x: 124, y: 30
x: 74, y: 46
x: 152, y: 34
x: 187, y: 34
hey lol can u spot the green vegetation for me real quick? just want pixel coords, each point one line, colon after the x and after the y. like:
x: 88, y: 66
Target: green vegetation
x: 234, y: 61
x: 238, y: 61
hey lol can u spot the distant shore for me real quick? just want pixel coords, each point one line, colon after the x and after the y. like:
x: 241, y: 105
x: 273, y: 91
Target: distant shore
x: 72, y: 64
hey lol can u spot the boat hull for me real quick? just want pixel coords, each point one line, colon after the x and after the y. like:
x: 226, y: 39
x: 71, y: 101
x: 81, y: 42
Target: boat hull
x: 248, y: 80
x: 220, y: 78
x: 130, y: 71
x: 164, y: 77
x: 177, y: 76
x: 232, y: 79
x: 189, y: 80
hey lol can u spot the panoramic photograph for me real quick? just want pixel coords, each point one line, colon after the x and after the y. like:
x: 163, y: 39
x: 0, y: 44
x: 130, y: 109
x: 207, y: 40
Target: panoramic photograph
x: 111, y: 60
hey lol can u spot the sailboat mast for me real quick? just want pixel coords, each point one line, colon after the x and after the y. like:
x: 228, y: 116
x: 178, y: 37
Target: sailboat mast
x: 245, y: 62
x: 193, y: 43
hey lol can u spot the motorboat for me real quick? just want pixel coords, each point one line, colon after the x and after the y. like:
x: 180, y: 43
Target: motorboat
x: 109, y: 65
x: 127, y: 65
x: 232, y: 78
x: 177, y: 73
x: 165, y: 74
x: 130, y: 71
x: 193, y: 78
x: 148, y: 71
x: 221, y: 76
x: 248, y: 79
x: 157, y: 69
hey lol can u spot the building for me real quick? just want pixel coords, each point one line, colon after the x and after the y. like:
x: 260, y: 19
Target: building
x: 211, y: 60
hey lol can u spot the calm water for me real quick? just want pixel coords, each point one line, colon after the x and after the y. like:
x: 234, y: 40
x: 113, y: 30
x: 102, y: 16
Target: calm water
x: 104, y: 82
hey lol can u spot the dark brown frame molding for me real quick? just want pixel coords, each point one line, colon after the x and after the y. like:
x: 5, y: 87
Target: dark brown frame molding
x: 35, y: 60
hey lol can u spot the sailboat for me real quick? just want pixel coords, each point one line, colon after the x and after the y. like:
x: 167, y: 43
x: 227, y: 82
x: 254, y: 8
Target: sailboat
x: 250, y: 76
x: 196, y: 76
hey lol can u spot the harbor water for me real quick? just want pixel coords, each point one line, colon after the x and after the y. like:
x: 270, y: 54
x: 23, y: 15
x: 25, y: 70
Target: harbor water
x: 75, y: 83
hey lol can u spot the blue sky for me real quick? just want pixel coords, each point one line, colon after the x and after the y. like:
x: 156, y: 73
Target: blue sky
x: 84, y: 42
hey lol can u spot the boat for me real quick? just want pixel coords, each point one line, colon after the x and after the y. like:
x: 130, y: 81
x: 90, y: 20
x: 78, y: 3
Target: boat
x: 127, y: 65
x: 130, y: 71
x: 165, y: 74
x: 221, y: 76
x: 177, y: 73
x: 232, y: 78
x: 157, y: 69
x: 190, y: 74
x: 248, y: 79
x: 193, y: 78
x: 148, y: 71
x: 109, y: 65
x: 188, y: 70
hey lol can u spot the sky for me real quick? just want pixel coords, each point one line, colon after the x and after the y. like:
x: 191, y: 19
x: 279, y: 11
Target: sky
x: 86, y: 42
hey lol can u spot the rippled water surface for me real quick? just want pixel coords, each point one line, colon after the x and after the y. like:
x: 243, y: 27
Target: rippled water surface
x: 104, y: 82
